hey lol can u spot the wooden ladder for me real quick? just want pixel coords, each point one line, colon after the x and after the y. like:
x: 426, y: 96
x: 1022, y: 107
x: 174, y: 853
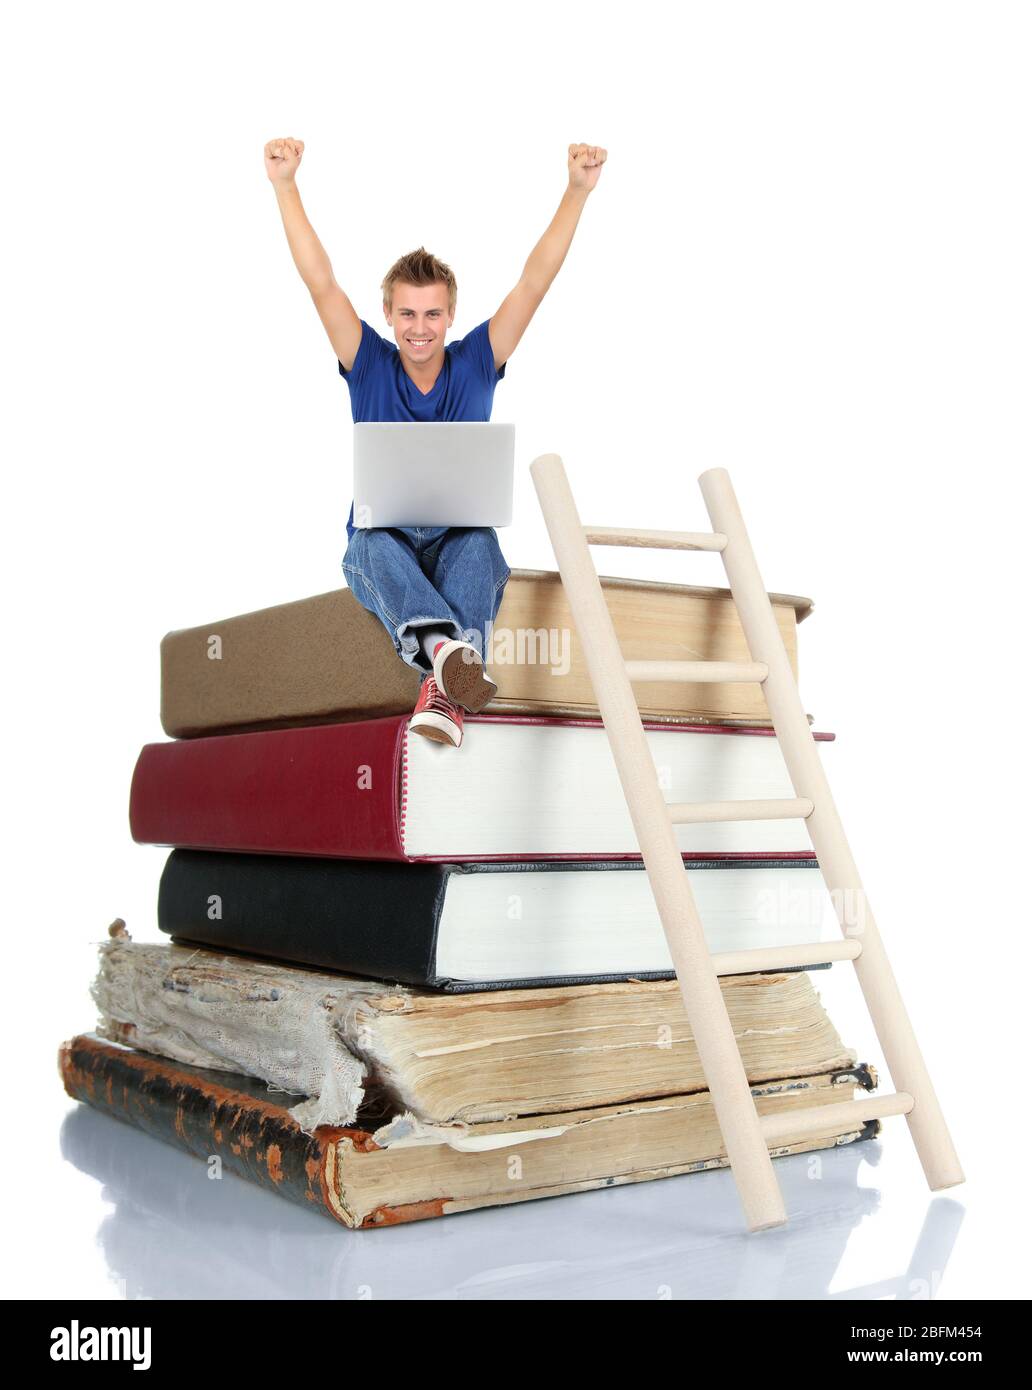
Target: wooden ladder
x: 747, y: 1137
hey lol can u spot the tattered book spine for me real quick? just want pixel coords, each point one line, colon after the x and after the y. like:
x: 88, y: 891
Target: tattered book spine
x: 197, y: 1111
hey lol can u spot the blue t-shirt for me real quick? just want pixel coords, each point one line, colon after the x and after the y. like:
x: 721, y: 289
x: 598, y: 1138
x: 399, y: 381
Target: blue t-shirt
x: 381, y: 389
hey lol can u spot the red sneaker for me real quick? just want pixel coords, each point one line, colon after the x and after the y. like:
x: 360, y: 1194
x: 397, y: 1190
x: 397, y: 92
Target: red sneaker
x: 435, y: 716
x: 460, y: 673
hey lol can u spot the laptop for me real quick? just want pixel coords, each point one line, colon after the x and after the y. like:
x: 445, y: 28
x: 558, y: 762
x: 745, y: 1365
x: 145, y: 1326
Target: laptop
x: 433, y: 473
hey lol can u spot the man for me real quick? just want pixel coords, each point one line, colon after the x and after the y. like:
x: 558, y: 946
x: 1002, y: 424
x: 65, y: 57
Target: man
x: 433, y: 588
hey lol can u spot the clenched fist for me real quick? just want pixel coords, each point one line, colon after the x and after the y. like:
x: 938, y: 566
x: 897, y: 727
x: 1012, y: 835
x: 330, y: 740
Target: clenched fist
x: 282, y: 158
x: 585, y: 165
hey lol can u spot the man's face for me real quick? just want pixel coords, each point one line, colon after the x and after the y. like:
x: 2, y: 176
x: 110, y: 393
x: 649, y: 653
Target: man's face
x: 420, y: 320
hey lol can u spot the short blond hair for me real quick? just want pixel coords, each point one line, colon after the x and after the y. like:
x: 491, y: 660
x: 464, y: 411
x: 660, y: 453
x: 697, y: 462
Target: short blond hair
x: 419, y: 268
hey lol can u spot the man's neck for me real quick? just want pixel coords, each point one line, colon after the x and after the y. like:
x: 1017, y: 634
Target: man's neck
x: 424, y: 374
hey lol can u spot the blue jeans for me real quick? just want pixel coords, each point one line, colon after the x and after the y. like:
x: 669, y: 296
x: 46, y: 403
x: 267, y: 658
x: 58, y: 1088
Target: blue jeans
x: 447, y: 577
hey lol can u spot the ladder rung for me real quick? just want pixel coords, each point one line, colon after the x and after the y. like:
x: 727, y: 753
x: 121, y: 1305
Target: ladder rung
x: 832, y: 1119
x: 655, y: 540
x: 699, y: 812
x: 784, y: 957
x: 698, y: 672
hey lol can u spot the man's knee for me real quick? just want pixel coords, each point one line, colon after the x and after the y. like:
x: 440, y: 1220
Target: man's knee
x: 484, y: 536
x: 478, y: 545
x: 371, y: 541
x: 369, y: 548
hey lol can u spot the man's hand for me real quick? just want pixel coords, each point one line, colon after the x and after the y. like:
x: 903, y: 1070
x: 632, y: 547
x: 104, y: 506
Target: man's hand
x: 585, y: 165
x: 282, y: 158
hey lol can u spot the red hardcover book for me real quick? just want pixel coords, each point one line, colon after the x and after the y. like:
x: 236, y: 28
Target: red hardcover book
x: 519, y: 787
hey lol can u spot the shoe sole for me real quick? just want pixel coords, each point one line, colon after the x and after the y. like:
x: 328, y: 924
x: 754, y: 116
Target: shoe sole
x: 465, y: 683
x: 435, y: 728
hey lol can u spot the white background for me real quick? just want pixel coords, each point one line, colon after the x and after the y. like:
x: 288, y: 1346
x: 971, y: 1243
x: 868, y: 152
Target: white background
x: 807, y: 260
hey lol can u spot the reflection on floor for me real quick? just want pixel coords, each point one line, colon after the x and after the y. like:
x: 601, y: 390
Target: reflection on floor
x: 175, y: 1233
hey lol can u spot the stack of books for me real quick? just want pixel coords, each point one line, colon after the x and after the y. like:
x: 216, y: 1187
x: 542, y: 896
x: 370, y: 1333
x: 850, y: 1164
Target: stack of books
x: 406, y: 979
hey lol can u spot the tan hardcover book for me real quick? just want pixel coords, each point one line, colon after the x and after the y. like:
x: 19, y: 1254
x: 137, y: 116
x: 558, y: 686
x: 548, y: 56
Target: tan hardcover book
x: 327, y: 659
x: 376, y: 1174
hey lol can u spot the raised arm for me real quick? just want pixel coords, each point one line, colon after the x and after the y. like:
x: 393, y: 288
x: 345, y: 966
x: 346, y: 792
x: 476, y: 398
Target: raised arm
x: 342, y: 324
x: 584, y: 165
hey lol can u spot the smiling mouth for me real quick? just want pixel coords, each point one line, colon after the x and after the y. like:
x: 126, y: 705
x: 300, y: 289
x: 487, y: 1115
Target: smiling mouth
x: 419, y: 342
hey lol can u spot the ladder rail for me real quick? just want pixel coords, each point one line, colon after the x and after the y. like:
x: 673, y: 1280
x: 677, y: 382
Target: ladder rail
x: 874, y: 973
x: 737, y: 1116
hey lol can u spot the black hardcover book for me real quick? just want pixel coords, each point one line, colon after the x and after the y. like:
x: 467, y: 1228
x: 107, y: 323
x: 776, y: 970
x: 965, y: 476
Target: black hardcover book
x: 480, y: 925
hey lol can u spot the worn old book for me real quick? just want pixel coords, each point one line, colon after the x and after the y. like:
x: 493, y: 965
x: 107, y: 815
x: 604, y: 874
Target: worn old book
x: 380, y: 1172
x: 485, y: 924
x: 519, y: 787
x: 336, y: 1041
x: 326, y: 659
